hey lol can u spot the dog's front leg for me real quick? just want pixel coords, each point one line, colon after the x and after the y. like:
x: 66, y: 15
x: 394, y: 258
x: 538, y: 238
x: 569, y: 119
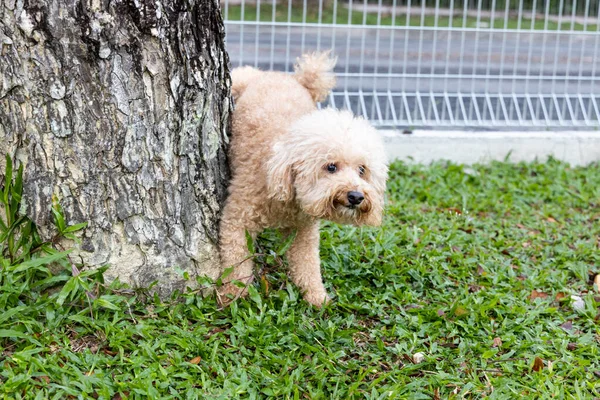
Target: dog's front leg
x: 305, y: 265
x: 234, y: 253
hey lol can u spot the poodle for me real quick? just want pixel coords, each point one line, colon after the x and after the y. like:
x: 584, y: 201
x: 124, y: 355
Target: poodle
x: 293, y: 165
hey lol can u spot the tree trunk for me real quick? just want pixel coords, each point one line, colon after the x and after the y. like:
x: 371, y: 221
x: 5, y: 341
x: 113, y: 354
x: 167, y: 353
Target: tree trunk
x: 120, y: 109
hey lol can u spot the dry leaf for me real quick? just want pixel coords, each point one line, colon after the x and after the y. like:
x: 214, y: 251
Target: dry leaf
x: 597, y: 283
x: 560, y: 296
x: 550, y: 219
x: 418, y: 358
x: 526, y: 244
x: 195, y: 360
x: 265, y: 284
x: 571, y: 346
x: 460, y: 311
x: 578, y: 303
x: 480, y: 270
x: 497, y: 342
x: 537, y: 295
x: 567, y: 326
x: 538, y: 364
x: 109, y: 352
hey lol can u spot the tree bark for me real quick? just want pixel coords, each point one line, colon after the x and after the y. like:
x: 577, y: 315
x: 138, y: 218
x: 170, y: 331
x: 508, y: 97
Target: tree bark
x: 120, y: 109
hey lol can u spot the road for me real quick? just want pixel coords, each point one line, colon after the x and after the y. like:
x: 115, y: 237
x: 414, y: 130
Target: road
x: 424, y: 61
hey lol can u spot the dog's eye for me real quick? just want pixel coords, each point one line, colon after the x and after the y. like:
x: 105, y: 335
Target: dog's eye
x: 331, y: 168
x: 361, y: 170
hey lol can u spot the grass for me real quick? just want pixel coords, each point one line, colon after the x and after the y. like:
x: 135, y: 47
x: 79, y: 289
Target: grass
x: 473, y: 267
x: 357, y: 17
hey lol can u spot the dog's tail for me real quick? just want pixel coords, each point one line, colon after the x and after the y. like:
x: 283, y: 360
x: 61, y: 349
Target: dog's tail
x: 240, y: 78
x: 315, y: 72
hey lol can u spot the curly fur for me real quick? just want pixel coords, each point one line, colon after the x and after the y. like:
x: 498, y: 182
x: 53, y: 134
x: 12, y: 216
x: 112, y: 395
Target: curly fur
x: 280, y: 149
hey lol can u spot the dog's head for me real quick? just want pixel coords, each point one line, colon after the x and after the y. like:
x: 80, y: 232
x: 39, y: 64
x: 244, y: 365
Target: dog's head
x: 333, y: 165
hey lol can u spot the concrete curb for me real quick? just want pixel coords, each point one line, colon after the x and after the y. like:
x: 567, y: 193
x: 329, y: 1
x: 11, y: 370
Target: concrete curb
x: 574, y: 147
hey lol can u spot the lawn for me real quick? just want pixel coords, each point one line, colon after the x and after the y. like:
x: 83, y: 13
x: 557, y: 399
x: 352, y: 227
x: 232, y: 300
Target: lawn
x: 474, y: 267
x: 342, y: 16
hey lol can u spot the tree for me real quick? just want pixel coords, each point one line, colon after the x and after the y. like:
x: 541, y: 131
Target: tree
x: 120, y: 110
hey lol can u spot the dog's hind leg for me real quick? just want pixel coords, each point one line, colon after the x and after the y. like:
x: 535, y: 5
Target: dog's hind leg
x: 305, y: 265
x: 234, y: 253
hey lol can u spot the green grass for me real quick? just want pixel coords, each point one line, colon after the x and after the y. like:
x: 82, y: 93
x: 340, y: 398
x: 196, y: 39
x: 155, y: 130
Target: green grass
x: 340, y: 17
x: 450, y: 274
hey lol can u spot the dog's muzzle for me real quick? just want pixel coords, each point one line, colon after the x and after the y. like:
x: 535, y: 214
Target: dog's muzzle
x: 355, y: 198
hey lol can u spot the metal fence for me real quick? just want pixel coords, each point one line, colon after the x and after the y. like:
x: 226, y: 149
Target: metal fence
x: 494, y: 64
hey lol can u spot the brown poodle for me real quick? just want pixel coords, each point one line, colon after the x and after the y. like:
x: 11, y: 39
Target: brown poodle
x: 293, y: 165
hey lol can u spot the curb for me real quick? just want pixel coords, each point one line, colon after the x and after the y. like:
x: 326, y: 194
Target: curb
x: 424, y: 147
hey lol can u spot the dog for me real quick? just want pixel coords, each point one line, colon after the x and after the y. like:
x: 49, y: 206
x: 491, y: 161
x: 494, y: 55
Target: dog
x: 293, y: 165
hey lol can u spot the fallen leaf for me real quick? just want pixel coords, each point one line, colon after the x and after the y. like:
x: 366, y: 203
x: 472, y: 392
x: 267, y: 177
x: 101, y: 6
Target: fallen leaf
x: 578, y: 303
x: 460, y: 311
x: 571, y: 346
x: 550, y: 219
x: 526, y: 244
x: 195, y: 360
x: 109, y: 352
x: 265, y: 284
x: 560, y: 296
x: 567, y: 326
x: 597, y: 283
x: 497, y: 342
x: 44, y: 378
x: 521, y: 226
x: 537, y: 295
x: 480, y: 270
x: 418, y: 358
x: 538, y: 364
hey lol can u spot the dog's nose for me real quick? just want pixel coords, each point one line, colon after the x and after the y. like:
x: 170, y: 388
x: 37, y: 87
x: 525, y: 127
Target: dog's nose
x: 355, y: 198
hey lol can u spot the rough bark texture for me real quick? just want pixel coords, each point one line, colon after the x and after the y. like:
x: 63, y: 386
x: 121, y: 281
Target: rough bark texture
x: 120, y: 108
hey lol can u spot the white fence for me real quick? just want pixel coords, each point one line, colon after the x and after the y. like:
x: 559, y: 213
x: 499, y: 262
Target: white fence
x: 494, y: 64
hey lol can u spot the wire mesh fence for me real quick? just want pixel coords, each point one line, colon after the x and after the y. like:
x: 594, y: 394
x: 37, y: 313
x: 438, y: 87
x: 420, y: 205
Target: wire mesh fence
x: 437, y: 63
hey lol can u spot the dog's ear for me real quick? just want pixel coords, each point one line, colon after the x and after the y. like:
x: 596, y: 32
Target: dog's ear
x: 280, y: 176
x: 378, y: 181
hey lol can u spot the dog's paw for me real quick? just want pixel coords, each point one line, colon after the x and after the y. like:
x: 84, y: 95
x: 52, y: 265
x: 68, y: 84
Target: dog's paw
x: 317, y: 298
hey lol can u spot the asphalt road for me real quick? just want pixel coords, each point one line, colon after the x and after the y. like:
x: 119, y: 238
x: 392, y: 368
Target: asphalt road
x: 424, y: 61
x: 407, y: 54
